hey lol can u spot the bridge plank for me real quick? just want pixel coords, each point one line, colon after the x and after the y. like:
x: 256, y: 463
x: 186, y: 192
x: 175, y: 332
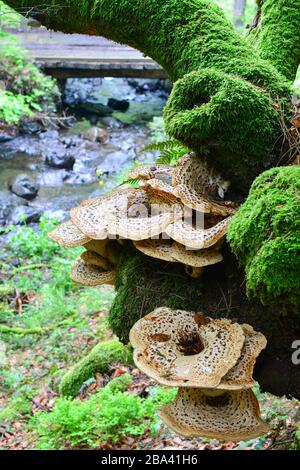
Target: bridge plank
x: 76, y: 55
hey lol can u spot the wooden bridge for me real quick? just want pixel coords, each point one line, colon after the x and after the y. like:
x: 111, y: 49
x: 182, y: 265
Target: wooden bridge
x: 75, y: 55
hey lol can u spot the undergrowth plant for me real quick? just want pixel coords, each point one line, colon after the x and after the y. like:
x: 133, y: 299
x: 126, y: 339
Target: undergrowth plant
x: 26, y: 89
x: 106, y: 416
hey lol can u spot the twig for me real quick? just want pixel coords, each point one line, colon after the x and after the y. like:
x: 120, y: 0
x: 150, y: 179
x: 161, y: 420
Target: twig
x: 25, y: 268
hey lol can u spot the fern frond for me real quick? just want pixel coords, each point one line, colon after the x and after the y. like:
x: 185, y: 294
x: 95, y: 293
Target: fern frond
x: 171, y: 151
x: 161, y: 146
x: 134, y: 182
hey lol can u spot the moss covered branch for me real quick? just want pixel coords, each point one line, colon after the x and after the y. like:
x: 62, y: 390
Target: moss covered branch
x: 265, y: 236
x: 99, y: 360
x: 225, y: 84
x: 276, y: 35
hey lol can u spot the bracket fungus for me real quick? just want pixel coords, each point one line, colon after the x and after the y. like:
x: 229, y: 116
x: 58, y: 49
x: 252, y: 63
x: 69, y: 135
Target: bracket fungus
x: 91, y: 274
x: 196, y: 238
x: 133, y: 214
x: 152, y: 170
x: 196, y: 185
x: 174, y: 252
x: 93, y: 258
x: 191, y: 181
x: 107, y: 248
x: 180, y: 348
x: 230, y: 416
x: 211, y: 361
x: 68, y: 234
x: 240, y: 376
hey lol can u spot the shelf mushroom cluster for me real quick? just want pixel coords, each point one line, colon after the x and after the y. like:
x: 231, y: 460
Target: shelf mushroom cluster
x: 211, y: 361
x: 167, y: 218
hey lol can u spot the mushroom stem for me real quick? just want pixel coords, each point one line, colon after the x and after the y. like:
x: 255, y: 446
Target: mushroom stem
x: 194, y: 271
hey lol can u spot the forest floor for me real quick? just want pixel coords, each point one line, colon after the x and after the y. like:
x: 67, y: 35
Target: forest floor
x: 56, y: 323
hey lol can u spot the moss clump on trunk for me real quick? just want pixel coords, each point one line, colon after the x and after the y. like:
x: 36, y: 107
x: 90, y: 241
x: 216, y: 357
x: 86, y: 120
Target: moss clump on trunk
x: 205, y: 112
x: 265, y: 236
x: 100, y: 359
x: 275, y: 34
x: 143, y: 284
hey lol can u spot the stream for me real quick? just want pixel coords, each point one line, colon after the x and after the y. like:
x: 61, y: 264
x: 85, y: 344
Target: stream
x: 50, y: 172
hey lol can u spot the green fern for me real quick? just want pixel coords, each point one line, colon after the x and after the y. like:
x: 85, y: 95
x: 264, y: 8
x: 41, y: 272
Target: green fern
x: 134, y: 182
x: 170, y: 151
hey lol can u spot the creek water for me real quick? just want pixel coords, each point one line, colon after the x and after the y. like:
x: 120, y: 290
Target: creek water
x: 125, y: 135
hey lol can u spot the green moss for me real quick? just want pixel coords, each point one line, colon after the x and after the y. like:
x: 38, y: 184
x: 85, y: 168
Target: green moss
x: 265, y: 236
x: 277, y: 35
x: 143, y: 284
x: 100, y: 359
x: 119, y: 384
x: 205, y: 111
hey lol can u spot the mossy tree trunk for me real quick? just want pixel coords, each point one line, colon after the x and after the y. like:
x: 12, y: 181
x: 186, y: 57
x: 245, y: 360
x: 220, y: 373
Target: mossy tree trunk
x: 228, y: 95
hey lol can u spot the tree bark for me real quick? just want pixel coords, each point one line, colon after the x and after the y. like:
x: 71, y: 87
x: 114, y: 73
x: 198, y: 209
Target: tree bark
x: 274, y: 32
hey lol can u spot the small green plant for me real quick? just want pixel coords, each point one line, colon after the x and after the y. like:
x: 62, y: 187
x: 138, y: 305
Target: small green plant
x: 27, y: 89
x: 107, y: 415
x: 13, y: 107
x: 170, y: 151
x: 34, y: 244
x: 19, y: 406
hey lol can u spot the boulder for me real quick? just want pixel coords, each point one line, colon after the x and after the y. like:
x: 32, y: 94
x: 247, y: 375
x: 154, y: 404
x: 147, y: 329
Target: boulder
x: 118, y: 105
x: 30, y: 126
x: 4, y: 137
x: 24, y: 215
x: 59, y: 158
x: 96, y: 134
x: 24, y: 186
x: 91, y: 108
x: 8, y: 202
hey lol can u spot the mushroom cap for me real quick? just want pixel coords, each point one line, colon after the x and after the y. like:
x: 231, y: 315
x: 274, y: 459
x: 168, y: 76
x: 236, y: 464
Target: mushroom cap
x: 90, y: 275
x: 130, y: 213
x: 107, y: 248
x: 157, y: 248
x: 159, y: 185
x: 197, y: 259
x: 98, y: 246
x: 194, y: 182
x: 240, y: 376
x: 67, y: 234
x: 151, y: 170
x: 232, y: 416
x: 197, y: 238
x: 94, y: 259
x: 179, y: 348
x: 92, y: 215
x: 168, y: 250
